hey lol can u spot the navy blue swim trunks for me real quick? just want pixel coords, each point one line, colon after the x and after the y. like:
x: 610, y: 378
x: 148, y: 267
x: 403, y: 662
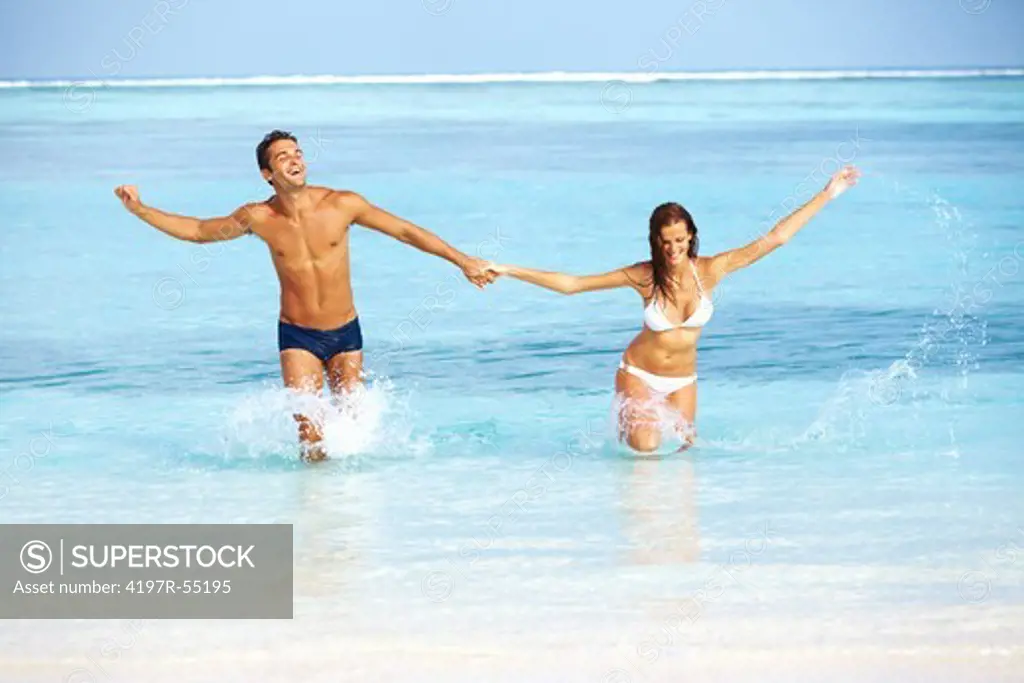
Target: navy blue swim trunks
x: 324, y: 344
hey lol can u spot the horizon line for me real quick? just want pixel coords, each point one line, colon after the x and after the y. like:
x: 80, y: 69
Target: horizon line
x: 524, y: 77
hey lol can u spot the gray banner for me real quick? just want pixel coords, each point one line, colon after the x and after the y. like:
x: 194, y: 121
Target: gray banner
x: 146, y: 571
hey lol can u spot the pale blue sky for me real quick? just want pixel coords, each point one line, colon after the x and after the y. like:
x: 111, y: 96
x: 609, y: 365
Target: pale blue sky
x: 42, y: 39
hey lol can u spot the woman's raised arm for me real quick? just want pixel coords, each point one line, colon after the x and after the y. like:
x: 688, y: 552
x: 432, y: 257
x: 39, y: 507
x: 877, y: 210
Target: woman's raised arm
x: 783, y: 231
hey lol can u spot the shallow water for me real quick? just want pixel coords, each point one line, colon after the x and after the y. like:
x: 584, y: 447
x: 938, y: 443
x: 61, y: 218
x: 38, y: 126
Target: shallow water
x: 855, y: 496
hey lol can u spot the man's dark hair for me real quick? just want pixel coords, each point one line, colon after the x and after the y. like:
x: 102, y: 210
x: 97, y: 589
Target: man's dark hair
x: 264, y: 146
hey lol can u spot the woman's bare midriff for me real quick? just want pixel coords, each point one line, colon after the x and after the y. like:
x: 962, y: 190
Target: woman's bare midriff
x: 669, y: 354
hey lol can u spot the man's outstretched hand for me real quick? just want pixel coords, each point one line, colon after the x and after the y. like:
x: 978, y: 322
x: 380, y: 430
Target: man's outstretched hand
x: 477, y: 271
x: 129, y: 196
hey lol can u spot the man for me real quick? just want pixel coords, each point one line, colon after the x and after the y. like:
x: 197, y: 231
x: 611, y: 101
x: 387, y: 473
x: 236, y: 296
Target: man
x: 306, y: 229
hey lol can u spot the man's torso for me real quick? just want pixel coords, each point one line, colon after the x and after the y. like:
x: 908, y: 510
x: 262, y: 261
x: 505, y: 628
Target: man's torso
x: 311, y: 256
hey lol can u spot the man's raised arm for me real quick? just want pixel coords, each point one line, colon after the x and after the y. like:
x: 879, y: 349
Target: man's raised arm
x: 184, y: 227
x: 366, y: 214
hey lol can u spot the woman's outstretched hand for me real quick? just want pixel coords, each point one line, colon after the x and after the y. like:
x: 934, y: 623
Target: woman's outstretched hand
x: 496, y: 268
x: 843, y: 180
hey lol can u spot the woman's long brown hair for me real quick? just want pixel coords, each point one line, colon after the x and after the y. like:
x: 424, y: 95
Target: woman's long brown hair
x: 663, y: 215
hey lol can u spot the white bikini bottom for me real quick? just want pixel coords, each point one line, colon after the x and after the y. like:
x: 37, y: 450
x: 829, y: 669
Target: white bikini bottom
x: 657, y: 383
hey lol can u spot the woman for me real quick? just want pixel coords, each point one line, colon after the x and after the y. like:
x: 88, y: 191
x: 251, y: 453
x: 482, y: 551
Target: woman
x: 660, y: 365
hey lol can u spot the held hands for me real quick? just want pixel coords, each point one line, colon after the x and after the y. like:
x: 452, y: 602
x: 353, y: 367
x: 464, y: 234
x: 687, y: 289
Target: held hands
x: 129, y: 196
x: 478, y: 272
x: 482, y: 273
x: 843, y: 180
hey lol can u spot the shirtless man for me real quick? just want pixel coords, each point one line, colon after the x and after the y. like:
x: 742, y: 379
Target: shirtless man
x: 306, y: 229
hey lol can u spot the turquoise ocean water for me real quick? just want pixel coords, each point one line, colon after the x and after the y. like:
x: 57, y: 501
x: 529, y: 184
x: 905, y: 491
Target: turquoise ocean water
x: 857, y: 491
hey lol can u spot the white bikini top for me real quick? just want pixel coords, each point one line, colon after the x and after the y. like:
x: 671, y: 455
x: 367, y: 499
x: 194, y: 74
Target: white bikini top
x: 656, y: 320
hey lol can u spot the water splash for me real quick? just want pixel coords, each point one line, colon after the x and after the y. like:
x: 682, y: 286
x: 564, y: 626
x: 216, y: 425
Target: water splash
x: 949, y: 340
x: 653, y: 413
x: 954, y: 333
x: 373, y: 420
x: 858, y: 410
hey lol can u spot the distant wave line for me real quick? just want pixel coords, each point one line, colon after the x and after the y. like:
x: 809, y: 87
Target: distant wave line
x: 538, y: 77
